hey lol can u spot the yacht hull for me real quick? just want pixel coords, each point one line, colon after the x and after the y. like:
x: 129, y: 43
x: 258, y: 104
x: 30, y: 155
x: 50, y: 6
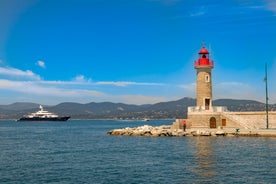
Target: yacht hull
x: 64, y: 118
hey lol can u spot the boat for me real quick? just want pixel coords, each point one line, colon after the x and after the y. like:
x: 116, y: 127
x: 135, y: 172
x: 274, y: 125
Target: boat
x: 43, y: 115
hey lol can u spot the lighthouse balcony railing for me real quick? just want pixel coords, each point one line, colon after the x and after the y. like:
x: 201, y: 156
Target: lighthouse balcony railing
x: 210, y: 109
x: 200, y: 64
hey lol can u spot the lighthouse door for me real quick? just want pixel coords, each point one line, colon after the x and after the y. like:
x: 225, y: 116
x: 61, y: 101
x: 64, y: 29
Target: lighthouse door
x: 207, y: 103
x: 213, y: 123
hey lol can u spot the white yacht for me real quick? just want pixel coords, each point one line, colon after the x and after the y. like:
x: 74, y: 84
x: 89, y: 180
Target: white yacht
x: 43, y: 115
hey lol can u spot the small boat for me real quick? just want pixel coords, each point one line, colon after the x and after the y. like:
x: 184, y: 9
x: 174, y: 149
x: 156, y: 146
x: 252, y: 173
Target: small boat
x: 43, y: 115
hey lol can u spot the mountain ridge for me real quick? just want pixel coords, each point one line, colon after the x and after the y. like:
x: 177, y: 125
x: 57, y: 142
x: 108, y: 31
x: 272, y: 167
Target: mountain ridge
x: 110, y: 110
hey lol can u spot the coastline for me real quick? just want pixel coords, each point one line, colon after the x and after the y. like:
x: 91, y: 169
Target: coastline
x: 167, y: 131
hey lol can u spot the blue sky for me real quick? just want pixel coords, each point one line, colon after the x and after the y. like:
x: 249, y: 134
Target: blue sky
x: 135, y: 52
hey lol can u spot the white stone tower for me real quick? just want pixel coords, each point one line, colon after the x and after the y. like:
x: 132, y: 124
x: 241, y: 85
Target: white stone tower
x: 204, y: 80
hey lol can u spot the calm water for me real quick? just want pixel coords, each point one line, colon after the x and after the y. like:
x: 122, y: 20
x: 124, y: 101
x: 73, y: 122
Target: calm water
x: 82, y: 152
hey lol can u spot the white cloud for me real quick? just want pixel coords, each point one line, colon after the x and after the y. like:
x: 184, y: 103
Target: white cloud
x: 271, y: 5
x: 36, y: 89
x: 55, y: 92
x: 189, y: 87
x: 198, y: 12
x: 236, y: 90
x: 232, y: 84
x: 81, y: 89
x: 57, y: 82
x: 126, y: 83
x: 30, y: 86
x: 45, y: 93
x: 121, y: 84
x: 41, y: 64
x: 13, y: 72
x: 7, y: 84
x: 141, y: 99
x: 78, y: 80
x: 81, y: 79
x: 166, y: 2
x: 95, y: 93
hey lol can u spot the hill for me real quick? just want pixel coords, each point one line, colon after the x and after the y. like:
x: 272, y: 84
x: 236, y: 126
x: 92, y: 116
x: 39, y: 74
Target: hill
x: 109, y: 110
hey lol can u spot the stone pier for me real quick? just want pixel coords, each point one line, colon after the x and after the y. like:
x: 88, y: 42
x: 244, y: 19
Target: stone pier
x: 173, y: 131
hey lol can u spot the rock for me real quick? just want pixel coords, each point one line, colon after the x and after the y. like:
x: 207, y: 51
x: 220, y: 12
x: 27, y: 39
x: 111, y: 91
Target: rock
x: 200, y: 133
x: 148, y: 134
x: 188, y: 134
x: 220, y: 133
x: 116, y: 132
x: 231, y: 134
x: 213, y: 134
x: 164, y: 130
x: 155, y: 133
x: 206, y: 133
x: 136, y: 133
x: 178, y: 133
x: 166, y: 127
x: 194, y: 133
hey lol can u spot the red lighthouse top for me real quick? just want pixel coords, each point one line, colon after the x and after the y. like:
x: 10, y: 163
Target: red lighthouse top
x: 203, y: 51
x: 203, y: 59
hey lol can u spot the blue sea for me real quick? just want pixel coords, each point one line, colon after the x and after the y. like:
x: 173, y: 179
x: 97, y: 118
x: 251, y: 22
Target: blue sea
x: 81, y: 151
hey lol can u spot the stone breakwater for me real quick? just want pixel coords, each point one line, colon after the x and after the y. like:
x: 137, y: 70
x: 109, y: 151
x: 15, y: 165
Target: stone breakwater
x: 167, y: 131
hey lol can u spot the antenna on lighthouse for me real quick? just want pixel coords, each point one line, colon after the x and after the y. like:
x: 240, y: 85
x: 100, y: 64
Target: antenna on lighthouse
x: 210, y: 49
x: 266, y: 96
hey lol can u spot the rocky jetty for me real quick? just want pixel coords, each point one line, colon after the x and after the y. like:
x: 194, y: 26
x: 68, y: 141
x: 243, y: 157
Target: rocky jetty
x: 163, y: 130
x: 169, y: 131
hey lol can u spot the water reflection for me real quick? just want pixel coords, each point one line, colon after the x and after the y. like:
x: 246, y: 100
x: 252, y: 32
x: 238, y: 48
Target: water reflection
x: 205, y: 164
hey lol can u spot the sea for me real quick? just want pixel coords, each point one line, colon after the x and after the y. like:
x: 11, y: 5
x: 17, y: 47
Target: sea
x: 81, y: 151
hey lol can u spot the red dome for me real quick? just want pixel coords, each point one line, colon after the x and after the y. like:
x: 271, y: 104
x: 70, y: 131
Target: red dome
x: 203, y: 51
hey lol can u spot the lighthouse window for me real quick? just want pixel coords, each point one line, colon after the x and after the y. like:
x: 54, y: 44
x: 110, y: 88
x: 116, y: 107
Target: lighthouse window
x: 207, y: 78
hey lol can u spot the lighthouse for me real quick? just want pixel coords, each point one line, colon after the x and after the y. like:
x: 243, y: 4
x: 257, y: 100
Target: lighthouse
x: 204, y: 68
x: 206, y: 116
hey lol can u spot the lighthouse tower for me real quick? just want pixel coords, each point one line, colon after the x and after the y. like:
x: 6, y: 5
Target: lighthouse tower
x: 204, y: 80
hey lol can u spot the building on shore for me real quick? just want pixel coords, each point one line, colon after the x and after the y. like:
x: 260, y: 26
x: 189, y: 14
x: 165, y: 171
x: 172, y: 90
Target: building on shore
x: 206, y: 116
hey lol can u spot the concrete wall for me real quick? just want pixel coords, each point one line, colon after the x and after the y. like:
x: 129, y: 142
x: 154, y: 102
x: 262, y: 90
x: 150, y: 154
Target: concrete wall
x: 253, y: 120
x: 203, y: 120
x: 233, y: 120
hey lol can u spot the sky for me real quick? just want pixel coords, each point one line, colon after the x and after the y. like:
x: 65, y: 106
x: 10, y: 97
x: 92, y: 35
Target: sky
x: 134, y: 51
